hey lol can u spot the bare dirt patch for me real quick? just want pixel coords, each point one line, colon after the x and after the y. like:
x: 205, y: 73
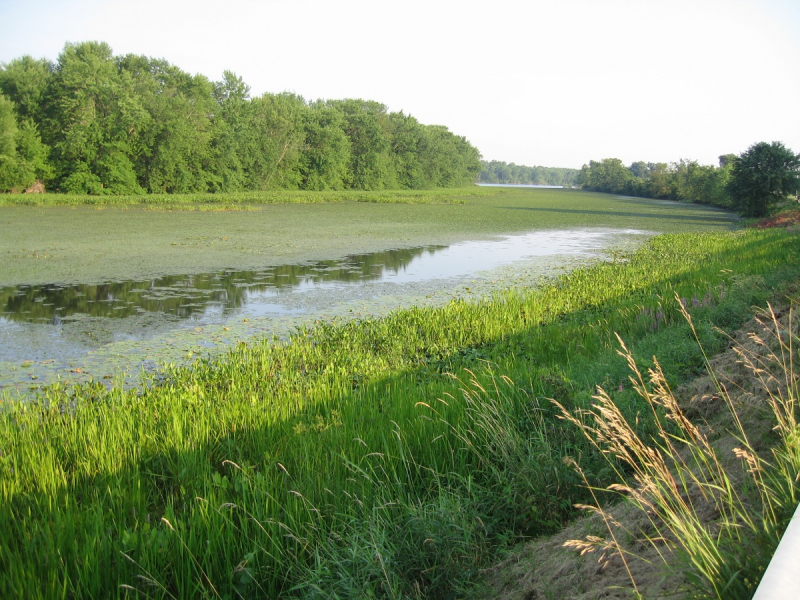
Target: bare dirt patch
x: 789, y: 218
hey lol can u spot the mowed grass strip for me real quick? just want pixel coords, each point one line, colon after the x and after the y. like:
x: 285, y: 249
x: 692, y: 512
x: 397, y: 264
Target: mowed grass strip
x: 348, y: 461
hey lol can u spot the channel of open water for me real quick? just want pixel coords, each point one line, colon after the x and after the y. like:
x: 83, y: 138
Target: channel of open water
x: 119, y: 330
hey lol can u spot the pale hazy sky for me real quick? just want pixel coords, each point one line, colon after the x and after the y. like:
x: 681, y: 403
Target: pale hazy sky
x: 552, y: 83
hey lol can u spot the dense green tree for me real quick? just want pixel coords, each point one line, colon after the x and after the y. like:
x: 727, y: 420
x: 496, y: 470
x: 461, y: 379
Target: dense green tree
x: 272, y: 156
x: 8, y: 145
x: 91, y: 114
x: 325, y: 158
x: 660, y: 181
x: 449, y: 160
x: 32, y: 155
x: 24, y: 81
x: 409, y: 142
x: 367, y: 126
x: 95, y: 123
x: 231, y: 133
x: 23, y: 156
x: 608, y: 175
x: 763, y: 175
x: 173, y: 143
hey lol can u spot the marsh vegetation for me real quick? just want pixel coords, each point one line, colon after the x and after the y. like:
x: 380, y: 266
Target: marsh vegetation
x: 79, y: 301
x: 385, y: 456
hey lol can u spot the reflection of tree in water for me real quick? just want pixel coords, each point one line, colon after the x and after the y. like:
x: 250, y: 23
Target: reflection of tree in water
x: 186, y: 295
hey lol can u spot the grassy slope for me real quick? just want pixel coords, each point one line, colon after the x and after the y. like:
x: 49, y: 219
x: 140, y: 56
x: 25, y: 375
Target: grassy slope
x: 347, y: 461
x: 547, y: 567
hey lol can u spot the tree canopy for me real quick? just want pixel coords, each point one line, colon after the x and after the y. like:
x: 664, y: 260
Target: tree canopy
x: 501, y: 172
x: 763, y: 175
x: 97, y: 123
x: 750, y: 183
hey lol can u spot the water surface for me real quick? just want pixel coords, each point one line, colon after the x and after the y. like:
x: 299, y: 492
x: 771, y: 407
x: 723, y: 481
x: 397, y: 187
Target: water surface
x: 86, y: 330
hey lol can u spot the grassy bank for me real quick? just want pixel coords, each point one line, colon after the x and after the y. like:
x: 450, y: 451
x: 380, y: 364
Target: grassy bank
x: 702, y: 504
x: 348, y: 462
x: 232, y: 201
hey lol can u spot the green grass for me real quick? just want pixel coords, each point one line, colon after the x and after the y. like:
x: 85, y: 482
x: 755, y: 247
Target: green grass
x: 348, y: 462
x: 228, y: 201
x: 713, y: 522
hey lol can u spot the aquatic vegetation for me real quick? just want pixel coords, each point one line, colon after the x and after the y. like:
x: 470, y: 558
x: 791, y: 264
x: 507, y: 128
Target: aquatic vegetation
x: 348, y: 460
x: 83, y: 243
x: 246, y: 200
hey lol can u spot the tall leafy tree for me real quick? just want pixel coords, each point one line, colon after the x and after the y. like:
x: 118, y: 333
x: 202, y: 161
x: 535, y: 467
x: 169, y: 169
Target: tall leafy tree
x: 24, y: 81
x: 763, y: 175
x: 608, y: 175
x: 409, y: 141
x: 449, y: 160
x: 23, y: 156
x: 367, y: 126
x: 8, y: 145
x: 325, y: 155
x: 232, y: 133
x: 174, y: 153
x: 91, y: 116
x: 272, y: 156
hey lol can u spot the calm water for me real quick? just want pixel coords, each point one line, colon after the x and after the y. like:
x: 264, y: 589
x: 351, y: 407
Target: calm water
x: 262, y: 292
x: 84, y: 331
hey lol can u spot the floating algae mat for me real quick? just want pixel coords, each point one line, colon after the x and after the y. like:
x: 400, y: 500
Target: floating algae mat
x: 120, y: 329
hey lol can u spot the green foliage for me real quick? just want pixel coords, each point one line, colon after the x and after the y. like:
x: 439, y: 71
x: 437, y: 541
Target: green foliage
x: 751, y: 183
x: 500, y: 172
x: 346, y: 461
x: 684, y: 180
x: 325, y: 157
x: 367, y: 126
x: 23, y: 156
x: 8, y: 145
x: 24, y: 81
x: 762, y: 176
x: 609, y: 176
x: 133, y: 124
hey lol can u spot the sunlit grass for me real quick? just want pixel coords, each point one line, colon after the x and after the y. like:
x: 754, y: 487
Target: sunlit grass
x: 677, y: 477
x: 348, y: 458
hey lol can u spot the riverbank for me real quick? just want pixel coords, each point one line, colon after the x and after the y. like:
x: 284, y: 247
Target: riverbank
x: 173, y: 286
x: 348, y: 460
x: 738, y: 412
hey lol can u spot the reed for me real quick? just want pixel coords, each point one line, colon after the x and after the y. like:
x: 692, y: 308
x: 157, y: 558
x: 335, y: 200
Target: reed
x: 347, y: 460
x: 712, y: 519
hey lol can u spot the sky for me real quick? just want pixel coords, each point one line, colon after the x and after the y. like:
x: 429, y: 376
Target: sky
x: 553, y: 83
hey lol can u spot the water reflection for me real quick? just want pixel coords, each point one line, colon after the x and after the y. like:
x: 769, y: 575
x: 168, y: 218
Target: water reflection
x: 188, y: 296
x: 268, y: 291
x: 84, y: 332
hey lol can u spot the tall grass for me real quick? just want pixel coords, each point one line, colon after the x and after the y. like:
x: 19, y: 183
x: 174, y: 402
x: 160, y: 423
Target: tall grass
x: 347, y: 461
x: 714, y: 520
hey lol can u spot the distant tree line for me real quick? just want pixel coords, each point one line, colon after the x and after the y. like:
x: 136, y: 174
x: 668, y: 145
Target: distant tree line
x: 97, y: 123
x: 496, y: 171
x: 750, y: 183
